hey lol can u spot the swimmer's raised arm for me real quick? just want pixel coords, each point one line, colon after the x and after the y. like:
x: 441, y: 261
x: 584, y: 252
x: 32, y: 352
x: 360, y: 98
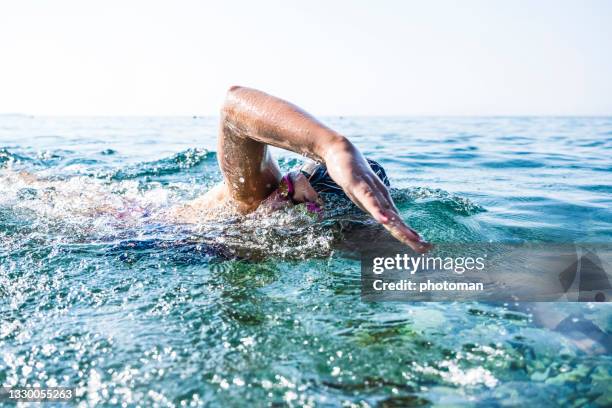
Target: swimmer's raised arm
x: 251, y: 120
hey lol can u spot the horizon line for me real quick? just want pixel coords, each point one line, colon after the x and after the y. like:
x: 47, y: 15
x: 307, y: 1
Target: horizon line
x: 196, y: 116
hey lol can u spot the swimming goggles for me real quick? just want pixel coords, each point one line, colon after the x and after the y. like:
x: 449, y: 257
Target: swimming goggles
x: 286, y: 190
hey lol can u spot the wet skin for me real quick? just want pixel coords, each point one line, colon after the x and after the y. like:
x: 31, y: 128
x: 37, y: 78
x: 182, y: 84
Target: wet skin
x: 252, y: 120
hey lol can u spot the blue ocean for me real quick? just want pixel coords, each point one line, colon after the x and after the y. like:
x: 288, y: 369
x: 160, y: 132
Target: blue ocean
x: 100, y: 291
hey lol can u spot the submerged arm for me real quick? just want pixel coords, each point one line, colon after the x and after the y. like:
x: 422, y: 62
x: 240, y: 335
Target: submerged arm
x: 256, y: 119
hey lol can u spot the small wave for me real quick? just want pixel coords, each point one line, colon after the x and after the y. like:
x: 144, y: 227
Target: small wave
x: 41, y: 159
x: 597, y: 188
x: 437, y: 197
x: 514, y: 163
x: 189, y: 159
x: 7, y: 158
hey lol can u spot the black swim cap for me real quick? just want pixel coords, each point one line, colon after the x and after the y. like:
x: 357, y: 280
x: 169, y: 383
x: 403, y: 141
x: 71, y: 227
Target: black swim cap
x: 321, y: 182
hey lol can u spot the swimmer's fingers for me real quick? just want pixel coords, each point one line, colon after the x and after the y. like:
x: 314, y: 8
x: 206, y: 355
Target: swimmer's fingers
x: 370, y: 199
x: 403, y: 233
x: 373, y: 197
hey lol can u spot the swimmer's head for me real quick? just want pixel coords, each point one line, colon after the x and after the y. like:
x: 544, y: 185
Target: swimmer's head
x: 303, y: 192
x: 320, y: 181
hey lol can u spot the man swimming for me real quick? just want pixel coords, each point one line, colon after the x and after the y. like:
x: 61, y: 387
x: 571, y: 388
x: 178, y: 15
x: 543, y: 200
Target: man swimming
x: 251, y: 120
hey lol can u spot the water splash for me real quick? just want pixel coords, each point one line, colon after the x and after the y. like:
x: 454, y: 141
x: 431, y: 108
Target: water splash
x: 133, y: 204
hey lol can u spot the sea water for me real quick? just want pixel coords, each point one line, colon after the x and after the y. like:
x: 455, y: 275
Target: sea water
x: 100, y: 291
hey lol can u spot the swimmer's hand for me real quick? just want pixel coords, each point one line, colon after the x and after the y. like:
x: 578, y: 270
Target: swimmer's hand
x: 351, y: 171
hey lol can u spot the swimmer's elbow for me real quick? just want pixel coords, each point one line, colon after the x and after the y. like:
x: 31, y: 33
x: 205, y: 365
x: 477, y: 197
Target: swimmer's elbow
x: 233, y: 93
x: 233, y: 89
x: 231, y: 97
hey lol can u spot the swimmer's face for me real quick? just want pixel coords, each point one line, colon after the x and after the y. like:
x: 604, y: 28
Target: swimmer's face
x: 303, y: 190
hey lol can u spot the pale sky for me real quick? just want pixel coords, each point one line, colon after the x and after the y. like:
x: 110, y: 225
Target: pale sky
x: 77, y: 57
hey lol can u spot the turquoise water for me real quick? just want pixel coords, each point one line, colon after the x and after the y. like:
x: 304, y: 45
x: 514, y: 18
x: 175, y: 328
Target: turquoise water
x: 98, y: 290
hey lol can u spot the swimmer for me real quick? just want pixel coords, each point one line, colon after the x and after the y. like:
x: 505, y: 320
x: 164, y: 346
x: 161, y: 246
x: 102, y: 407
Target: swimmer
x: 251, y: 121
